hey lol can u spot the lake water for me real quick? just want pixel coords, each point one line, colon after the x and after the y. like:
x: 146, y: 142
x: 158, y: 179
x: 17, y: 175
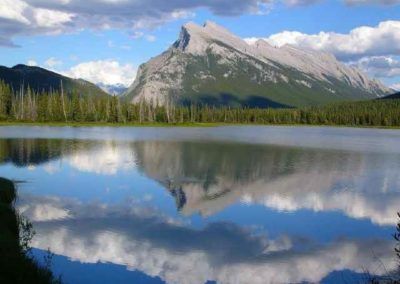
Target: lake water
x: 247, y: 204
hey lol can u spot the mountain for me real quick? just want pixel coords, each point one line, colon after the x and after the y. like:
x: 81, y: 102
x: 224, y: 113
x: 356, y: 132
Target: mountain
x: 208, y: 64
x: 393, y: 96
x: 40, y: 79
x: 117, y: 89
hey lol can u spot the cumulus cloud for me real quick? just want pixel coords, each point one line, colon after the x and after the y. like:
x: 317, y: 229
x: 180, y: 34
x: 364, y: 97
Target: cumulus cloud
x: 108, y: 72
x: 379, y: 66
x: 53, y: 62
x: 372, y: 49
x: 137, y: 34
x: 31, y: 62
x: 13, y: 10
x: 151, y: 38
x: 348, y: 2
x: 18, y: 17
x: 383, y: 39
x: 395, y: 87
x: 300, y: 2
x: 377, y: 2
x: 27, y: 17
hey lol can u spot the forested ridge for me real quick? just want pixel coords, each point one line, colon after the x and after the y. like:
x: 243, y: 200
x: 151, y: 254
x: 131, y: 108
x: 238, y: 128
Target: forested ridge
x: 58, y: 106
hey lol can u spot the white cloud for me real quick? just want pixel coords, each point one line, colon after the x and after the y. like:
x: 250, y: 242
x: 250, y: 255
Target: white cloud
x: 183, y: 14
x: 376, y: 2
x: 372, y: 49
x: 18, y: 17
x: 140, y: 34
x: 13, y: 10
x: 151, y: 38
x: 31, y: 62
x: 51, y: 19
x: 379, y: 66
x: 52, y: 62
x: 300, y: 2
x: 29, y: 17
x: 348, y: 2
x: 108, y: 72
x: 383, y: 39
x: 137, y: 34
x: 395, y: 86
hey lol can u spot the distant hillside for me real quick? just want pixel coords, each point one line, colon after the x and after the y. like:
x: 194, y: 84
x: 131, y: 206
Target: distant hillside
x: 116, y: 90
x: 40, y: 79
x: 209, y: 65
x: 393, y: 96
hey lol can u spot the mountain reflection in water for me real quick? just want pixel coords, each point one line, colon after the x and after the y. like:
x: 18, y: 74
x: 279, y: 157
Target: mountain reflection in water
x: 131, y: 223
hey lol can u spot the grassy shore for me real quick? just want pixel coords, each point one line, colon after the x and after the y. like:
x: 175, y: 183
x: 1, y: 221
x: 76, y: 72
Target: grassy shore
x: 109, y: 124
x: 196, y: 124
x: 16, y: 265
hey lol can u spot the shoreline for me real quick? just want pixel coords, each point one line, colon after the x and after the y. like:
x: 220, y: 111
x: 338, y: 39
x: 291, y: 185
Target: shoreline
x: 189, y: 125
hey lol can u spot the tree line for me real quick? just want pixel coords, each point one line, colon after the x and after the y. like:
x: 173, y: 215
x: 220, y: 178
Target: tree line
x: 26, y: 105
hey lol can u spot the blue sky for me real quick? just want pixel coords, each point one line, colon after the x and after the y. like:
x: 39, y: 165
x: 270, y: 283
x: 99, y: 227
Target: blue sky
x: 106, y: 40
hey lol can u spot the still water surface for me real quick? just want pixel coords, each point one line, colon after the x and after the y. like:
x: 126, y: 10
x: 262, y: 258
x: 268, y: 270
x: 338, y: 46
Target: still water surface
x: 208, y: 205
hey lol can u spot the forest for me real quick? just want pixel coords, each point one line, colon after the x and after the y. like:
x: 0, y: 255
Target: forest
x: 26, y: 105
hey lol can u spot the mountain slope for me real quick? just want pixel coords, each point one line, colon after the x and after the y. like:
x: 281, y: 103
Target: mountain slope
x: 116, y: 90
x: 208, y: 64
x: 392, y: 96
x: 40, y: 79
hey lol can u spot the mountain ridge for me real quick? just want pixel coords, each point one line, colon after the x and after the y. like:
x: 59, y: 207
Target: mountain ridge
x: 208, y: 64
x: 42, y: 80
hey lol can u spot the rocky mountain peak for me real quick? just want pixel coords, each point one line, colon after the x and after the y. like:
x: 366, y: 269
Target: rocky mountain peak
x: 208, y: 63
x: 195, y: 39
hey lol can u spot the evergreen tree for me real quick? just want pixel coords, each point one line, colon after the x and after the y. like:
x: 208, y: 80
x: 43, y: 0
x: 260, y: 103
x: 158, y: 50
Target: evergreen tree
x: 26, y: 105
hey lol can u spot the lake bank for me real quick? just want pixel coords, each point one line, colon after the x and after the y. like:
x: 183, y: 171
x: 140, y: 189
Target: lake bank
x: 206, y: 124
x: 16, y: 265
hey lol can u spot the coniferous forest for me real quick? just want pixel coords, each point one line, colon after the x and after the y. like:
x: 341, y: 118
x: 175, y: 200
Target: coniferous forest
x: 27, y: 105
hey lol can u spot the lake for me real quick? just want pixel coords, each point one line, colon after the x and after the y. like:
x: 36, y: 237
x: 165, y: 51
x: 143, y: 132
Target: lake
x: 237, y: 204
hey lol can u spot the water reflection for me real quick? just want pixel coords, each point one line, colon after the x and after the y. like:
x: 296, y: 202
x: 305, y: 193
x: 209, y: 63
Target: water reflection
x: 31, y: 152
x: 208, y: 177
x: 231, y: 241
x: 145, y: 240
x: 86, y: 156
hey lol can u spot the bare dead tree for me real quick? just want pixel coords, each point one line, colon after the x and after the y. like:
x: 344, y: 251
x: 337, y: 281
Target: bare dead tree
x: 62, y: 101
x: 397, y: 238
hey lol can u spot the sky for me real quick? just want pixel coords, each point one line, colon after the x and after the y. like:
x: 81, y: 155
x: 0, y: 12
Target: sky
x: 105, y: 41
